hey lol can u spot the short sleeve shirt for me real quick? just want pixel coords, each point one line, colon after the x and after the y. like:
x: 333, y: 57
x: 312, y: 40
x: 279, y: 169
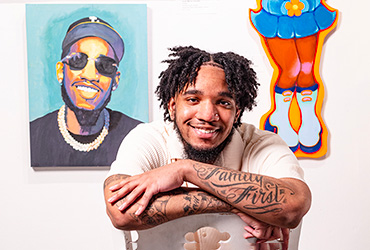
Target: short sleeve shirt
x: 156, y: 144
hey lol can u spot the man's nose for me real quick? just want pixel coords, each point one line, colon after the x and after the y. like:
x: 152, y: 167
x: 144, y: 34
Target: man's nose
x: 208, y: 112
x: 90, y: 72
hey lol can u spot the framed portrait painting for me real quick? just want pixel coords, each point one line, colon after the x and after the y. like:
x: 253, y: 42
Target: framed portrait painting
x: 87, y: 80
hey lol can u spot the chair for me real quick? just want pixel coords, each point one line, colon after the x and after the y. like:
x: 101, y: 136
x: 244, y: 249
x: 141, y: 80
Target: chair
x: 221, y: 231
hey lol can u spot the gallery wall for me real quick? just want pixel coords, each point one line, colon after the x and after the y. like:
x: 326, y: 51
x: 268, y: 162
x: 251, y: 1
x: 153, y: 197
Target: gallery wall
x: 64, y: 208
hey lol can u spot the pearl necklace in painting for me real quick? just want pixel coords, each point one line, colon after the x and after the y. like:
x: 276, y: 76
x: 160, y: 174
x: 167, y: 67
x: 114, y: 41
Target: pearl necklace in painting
x: 78, y: 145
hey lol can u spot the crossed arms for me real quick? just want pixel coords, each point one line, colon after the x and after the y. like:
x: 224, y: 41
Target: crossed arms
x: 156, y: 196
x: 163, y: 207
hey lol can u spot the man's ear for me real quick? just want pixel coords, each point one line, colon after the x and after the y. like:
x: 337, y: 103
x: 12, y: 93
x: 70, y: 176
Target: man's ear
x: 237, y: 114
x: 172, y: 108
x: 116, y: 82
x: 60, y: 71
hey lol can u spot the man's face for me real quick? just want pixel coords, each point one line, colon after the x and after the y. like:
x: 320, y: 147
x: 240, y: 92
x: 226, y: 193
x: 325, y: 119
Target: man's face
x: 205, y: 113
x: 87, y: 88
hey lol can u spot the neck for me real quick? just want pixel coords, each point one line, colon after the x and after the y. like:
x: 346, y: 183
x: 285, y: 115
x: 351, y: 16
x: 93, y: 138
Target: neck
x: 74, y: 126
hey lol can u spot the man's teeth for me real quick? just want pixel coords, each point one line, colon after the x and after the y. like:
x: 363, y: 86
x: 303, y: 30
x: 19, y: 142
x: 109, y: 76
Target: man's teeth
x: 86, y: 89
x: 206, y: 131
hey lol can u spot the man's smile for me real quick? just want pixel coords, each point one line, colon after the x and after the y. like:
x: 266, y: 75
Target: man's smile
x: 203, y: 131
x: 86, y: 90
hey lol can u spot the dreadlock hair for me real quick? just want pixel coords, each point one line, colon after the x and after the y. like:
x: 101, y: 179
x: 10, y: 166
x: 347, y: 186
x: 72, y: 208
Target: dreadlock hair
x: 183, y: 70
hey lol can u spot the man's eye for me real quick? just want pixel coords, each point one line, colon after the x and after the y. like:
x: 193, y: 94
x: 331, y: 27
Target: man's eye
x: 225, y: 103
x: 192, y: 100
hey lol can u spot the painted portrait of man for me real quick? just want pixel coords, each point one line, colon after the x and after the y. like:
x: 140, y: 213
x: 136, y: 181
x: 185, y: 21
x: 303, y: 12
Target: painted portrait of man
x: 83, y: 130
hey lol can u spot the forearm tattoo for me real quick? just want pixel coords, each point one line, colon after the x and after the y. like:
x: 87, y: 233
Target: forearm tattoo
x: 194, y: 202
x: 199, y: 202
x: 113, y: 178
x: 155, y: 214
x: 256, y: 192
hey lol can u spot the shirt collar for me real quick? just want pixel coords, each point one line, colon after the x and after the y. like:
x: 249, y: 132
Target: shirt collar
x: 174, y: 143
x: 231, y: 156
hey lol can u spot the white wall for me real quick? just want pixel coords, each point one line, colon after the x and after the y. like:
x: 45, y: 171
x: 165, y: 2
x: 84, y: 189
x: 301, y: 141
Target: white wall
x: 65, y: 209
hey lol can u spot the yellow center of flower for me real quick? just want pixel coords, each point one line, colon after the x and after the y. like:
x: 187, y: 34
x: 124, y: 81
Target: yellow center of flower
x: 294, y: 7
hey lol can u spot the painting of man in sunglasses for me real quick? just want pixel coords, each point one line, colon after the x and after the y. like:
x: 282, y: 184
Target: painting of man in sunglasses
x: 83, y: 131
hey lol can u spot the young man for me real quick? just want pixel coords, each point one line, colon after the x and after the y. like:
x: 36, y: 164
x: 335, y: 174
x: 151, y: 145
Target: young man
x: 83, y: 132
x: 233, y: 166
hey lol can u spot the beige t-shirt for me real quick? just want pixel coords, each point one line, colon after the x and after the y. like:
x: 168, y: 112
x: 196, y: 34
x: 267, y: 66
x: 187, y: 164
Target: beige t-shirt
x: 156, y: 144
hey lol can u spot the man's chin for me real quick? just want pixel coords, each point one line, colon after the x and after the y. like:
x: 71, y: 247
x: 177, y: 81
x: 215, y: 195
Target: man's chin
x: 203, y: 152
x: 200, y: 147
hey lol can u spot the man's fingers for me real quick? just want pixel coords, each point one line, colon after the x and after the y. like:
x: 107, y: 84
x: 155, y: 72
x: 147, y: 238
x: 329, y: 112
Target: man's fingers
x: 144, y: 201
x: 248, y: 235
x: 264, y: 234
x: 121, y: 183
x: 275, y: 233
x: 269, y: 232
x: 250, y: 232
x: 116, y: 187
x: 285, y: 232
x: 246, y: 218
x: 118, y: 195
x: 130, y: 198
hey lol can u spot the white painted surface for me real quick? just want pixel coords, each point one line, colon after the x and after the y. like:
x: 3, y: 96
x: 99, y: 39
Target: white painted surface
x: 64, y: 209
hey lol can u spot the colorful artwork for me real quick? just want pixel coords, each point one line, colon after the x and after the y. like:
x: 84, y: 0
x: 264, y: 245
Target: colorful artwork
x: 292, y: 34
x: 88, y: 81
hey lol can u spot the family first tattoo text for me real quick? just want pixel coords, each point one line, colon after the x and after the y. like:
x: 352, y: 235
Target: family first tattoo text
x: 259, y: 193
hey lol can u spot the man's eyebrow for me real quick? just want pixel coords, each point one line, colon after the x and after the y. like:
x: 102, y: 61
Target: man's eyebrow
x: 192, y: 92
x: 199, y: 92
x: 226, y: 94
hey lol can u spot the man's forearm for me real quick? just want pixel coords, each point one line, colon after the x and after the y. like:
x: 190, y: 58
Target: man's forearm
x: 179, y: 203
x: 280, y: 202
x: 163, y: 207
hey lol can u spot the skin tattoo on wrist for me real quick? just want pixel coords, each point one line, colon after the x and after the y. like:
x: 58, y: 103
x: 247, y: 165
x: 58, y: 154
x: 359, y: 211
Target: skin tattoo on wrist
x: 263, y: 196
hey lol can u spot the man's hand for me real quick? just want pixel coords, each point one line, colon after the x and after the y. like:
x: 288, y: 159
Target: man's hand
x: 263, y: 231
x: 146, y: 185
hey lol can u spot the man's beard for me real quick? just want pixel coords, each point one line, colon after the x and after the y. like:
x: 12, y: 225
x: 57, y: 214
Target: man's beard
x: 203, y: 155
x: 84, y: 117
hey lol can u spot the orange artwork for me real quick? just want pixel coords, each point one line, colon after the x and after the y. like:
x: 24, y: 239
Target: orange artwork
x: 292, y: 34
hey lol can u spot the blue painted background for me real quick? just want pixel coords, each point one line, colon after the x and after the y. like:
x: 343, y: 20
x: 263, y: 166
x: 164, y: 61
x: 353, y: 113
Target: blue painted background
x: 47, y: 25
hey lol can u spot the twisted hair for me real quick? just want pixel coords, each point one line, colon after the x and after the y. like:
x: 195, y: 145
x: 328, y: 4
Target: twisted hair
x: 183, y: 70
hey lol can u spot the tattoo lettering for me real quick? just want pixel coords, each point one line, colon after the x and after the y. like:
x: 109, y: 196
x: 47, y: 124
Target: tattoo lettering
x: 155, y: 214
x: 262, y: 196
x: 156, y: 211
x: 230, y: 176
x: 200, y: 202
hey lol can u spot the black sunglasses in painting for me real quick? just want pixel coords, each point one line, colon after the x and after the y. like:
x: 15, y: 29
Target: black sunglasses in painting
x: 105, y: 65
